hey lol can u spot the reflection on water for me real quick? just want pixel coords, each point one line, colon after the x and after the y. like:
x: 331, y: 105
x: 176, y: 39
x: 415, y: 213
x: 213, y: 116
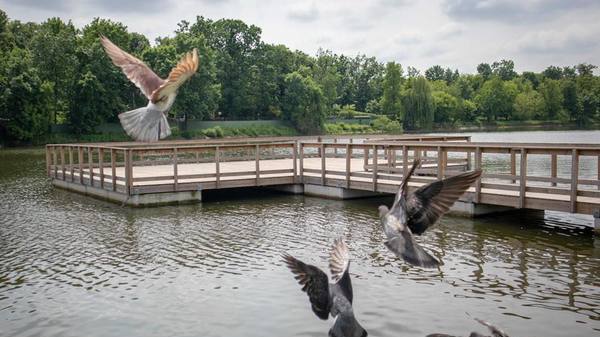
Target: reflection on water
x: 74, y: 266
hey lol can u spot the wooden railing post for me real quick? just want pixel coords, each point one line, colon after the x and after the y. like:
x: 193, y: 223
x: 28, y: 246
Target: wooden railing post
x: 478, y: 167
x: 323, y: 164
x: 348, y: 164
x: 294, y: 160
x: 301, y: 153
x: 468, y: 139
x: 513, y: 164
x: 440, y: 163
x: 128, y: 171
x: 257, y: 163
x: 55, y: 161
x: 80, y: 163
x: 113, y: 169
x: 48, y: 161
x: 91, y: 165
x: 217, y: 166
x: 574, y: 179
x: 101, y: 166
x: 553, y: 168
x: 375, y: 168
x: 366, y: 158
x: 523, y: 178
x: 71, y: 165
x: 404, y: 161
x: 62, y: 163
x: 598, y: 167
x: 175, y: 170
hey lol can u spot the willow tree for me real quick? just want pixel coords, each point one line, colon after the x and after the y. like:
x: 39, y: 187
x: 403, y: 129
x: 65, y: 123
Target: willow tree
x: 419, y: 105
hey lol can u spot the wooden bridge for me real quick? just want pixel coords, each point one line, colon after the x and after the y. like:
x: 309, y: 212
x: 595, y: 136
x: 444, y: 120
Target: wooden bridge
x: 560, y: 177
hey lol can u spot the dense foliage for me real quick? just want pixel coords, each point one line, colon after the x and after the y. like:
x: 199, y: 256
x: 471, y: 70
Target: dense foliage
x: 54, y: 74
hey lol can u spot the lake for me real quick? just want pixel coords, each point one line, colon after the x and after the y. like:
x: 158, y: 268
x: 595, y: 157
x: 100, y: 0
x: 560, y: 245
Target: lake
x: 76, y: 266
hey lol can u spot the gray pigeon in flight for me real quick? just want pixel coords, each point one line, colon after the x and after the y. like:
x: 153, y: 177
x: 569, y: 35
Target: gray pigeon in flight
x: 330, y: 298
x: 413, y: 213
x: 494, y: 330
x: 149, y: 124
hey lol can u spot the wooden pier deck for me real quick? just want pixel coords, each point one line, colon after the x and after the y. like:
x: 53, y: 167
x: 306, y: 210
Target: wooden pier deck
x: 129, y: 172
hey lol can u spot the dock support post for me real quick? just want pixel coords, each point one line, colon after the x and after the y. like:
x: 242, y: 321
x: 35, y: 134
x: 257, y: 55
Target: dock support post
x: 71, y: 169
x: 128, y: 171
x: 80, y: 162
x: 113, y: 169
x: 348, y: 163
x: 62, y: 163
x: 217, y: 167
x: 294, y: 160
x: 101, y: 166
x: 478, y: 167
x: 513, y: 164
x: 404, y: 161
x: 91, y: 165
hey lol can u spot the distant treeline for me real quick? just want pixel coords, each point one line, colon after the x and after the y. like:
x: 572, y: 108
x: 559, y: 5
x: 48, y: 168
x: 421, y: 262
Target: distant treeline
x: 56, y: 73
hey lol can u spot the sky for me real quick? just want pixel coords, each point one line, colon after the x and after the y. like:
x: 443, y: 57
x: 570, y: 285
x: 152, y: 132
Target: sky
x: 458, y: 34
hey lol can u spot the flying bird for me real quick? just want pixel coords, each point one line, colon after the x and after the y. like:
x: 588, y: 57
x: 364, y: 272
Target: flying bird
x: 149, y: 124
x: 493, y: 329
x: 326, y: 298
x: 414, y: 213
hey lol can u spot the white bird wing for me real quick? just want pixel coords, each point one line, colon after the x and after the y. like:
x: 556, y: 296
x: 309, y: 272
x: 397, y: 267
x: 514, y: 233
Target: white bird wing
x: 136, y: 71
x: 185, y: 68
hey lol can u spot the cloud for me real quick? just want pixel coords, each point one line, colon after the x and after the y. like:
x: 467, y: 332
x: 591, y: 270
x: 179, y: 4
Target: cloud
x: 515, y: 11
x: 572, y: 39
x: 303, y: 13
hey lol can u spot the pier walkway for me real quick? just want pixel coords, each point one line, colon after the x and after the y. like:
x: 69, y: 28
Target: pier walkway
x: 559, y: 177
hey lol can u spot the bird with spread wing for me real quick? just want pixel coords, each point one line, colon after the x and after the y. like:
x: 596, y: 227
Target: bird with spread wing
x: 326, y: 298
x: 413, y: 213
x: 149, y: 123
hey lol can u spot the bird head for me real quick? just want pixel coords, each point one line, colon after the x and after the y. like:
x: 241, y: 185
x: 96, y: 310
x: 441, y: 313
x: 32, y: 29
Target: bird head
x: 383, y: 210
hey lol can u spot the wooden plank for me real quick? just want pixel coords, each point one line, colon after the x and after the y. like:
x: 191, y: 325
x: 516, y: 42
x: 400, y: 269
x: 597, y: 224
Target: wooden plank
x: 91, y: 165
x: 71, y: 165
x: 348, y: 164
x: 257, y: 163
x: 375, y: 168
x: 113, y: 169
x: 80, y: 163
x: 574, y: 182
x: 523, y: 178
x: 175, y: 169
x: 217, y: 165
x: 323, y: 163
x: 478, y: 155
x: 553, y: 167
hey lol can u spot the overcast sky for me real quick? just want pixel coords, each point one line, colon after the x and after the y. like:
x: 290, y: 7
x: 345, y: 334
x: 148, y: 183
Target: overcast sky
x: 453, y: 33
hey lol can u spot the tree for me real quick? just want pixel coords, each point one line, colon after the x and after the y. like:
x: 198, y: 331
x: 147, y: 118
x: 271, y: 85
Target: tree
x: 391, y: 101
x: 485, y: 70
x: 446, y: 108
x: 528, y: 105
x: 495, y: 99
x: 419, y: 105
x: 553, y: 72
x: 553, y: 98
x: 303, y: 103
x: 435, y: 73
x: 570, y: 98
x: 504, y: 69
x: 326, y: 75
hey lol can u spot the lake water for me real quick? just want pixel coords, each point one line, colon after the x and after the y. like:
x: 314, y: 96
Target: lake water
x: 75, y: 266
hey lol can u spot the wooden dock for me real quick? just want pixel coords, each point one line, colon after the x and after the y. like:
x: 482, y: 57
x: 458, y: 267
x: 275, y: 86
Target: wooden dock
x: 138, y: 173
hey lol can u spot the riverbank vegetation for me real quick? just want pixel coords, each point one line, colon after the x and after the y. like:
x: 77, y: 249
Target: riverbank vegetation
x: 54, y: 73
